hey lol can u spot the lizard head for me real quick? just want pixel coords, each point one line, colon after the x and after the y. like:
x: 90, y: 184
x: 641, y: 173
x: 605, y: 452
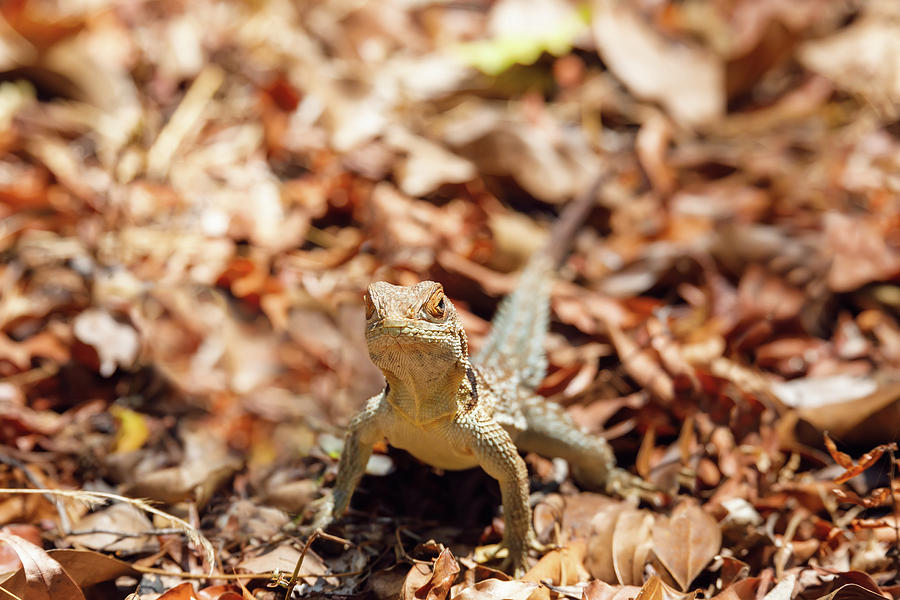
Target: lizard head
x: 413, y: 328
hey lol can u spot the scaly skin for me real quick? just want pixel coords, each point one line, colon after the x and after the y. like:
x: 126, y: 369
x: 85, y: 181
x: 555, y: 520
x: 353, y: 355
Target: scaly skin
x: 454, y: 412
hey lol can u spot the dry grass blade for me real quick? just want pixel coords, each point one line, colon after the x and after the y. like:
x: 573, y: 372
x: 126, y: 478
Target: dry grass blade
x: 95, y: 498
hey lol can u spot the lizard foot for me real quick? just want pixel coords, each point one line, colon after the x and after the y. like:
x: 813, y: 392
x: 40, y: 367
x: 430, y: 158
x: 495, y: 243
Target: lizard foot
x: 320, y: 511
x: 621, y: 483
x: 515, y: 555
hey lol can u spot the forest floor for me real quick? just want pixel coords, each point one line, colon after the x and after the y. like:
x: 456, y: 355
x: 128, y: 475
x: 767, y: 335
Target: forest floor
x: 195, y: 194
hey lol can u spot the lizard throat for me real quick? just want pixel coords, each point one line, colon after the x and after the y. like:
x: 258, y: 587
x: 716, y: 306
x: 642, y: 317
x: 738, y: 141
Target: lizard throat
x: 424, y: 398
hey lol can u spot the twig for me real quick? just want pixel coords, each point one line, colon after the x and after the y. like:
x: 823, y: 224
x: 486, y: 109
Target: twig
x: 185, y: 119
x: 895, y: 513
x: 9, y: 593
x: 32, y: 375
x: 293, y: 580
x: 126, y: 534
x: 233, y: 576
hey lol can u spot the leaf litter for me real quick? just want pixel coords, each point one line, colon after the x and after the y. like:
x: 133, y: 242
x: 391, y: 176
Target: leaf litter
x: 193, y: 196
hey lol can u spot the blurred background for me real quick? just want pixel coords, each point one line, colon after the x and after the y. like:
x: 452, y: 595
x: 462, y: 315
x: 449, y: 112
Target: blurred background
x: 195, y: 194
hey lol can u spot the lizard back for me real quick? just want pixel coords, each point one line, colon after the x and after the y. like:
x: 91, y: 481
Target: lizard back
x: 514, y: 349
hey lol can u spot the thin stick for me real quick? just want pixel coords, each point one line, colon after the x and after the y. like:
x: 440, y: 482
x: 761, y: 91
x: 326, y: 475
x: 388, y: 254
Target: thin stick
x: 233, y: 576
x: 293, y: 580
x: 10, y: 594
x: 894, y: 512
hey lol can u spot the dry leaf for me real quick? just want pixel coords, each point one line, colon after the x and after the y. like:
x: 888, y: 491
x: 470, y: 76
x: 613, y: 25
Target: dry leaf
x: 44, y: 578
x: 852, y: 591
x: 116, y: 343
x: 656, y: 589
x: 494, y: 589
x: 443, y: 575
x: 120, y: 518
x: 182, y: 591
x: 687, y: 80
x: 686, y: 542
x: 631, y: 545
x: 600, y: 590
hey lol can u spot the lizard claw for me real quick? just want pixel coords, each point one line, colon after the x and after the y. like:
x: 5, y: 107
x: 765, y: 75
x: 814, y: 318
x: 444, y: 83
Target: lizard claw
x: 516, y: 560
x: 321, y: 511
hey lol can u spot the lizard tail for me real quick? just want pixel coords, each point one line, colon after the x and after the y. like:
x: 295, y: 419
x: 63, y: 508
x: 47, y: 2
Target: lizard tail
x: 515, y: 346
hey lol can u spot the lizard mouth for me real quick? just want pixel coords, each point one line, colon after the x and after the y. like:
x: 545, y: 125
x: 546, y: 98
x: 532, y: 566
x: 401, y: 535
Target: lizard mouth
x: 406, y: 332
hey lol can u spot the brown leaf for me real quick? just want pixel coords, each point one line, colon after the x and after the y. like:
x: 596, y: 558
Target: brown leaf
x: 645, y: 453
x: 442, y: 577
x: 842, y: 459
x: 119, y: 518
x: 642, y: 365
x: 9, y: 560
x: 86, y: 568
x: 631, y: 544
x: 116, y: 343
x: 784, y: 589
x: 599, y: 560
x: 865, y: 461
x: 563, y: 566
x: 855, y: 57
x: 416, y: 578
x: 182, y: 591
x: 686, y: 542
x: 876, y: 498
x: 688, y: 81
x: 861, y: 249
x: 494, y: 589
x: 600, y: 590
x: 852, y: 591
x: 44, y: 577
x: 656, y: 589
x: 220, y: 592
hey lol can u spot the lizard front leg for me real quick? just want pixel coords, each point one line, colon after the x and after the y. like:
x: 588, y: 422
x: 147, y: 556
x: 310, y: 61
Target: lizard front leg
x: 362, y: 433
x: 497, y: 455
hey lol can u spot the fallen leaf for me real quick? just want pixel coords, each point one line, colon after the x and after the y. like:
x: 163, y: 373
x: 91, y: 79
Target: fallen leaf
x: 220, y: 592
x: 86, y: 568
x: 443, y: 575
x: 656, y: 589
x: 687, y: 80
x: 9, y: 560
x: 784, y: 589
x: 686, y: 542
x: 182, y: 591
x: 44, y: 578
x: 862, y: 57
x: 865, y: 461
x: 120, y: 518
x: 600, y: 590
x: 852, y: 591
x: 116, y: 343
x: 631, y: 544
x: 494, y: 589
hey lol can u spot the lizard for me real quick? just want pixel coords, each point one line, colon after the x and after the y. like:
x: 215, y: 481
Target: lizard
x: 456, y: 411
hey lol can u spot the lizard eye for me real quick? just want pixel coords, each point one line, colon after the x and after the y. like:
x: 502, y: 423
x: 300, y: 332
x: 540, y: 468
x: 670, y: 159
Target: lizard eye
x: 370, y: 306
x: 436, y: 305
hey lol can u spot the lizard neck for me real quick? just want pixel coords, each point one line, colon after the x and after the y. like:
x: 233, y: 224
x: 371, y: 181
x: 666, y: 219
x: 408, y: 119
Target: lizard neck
x: 426, y: 395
